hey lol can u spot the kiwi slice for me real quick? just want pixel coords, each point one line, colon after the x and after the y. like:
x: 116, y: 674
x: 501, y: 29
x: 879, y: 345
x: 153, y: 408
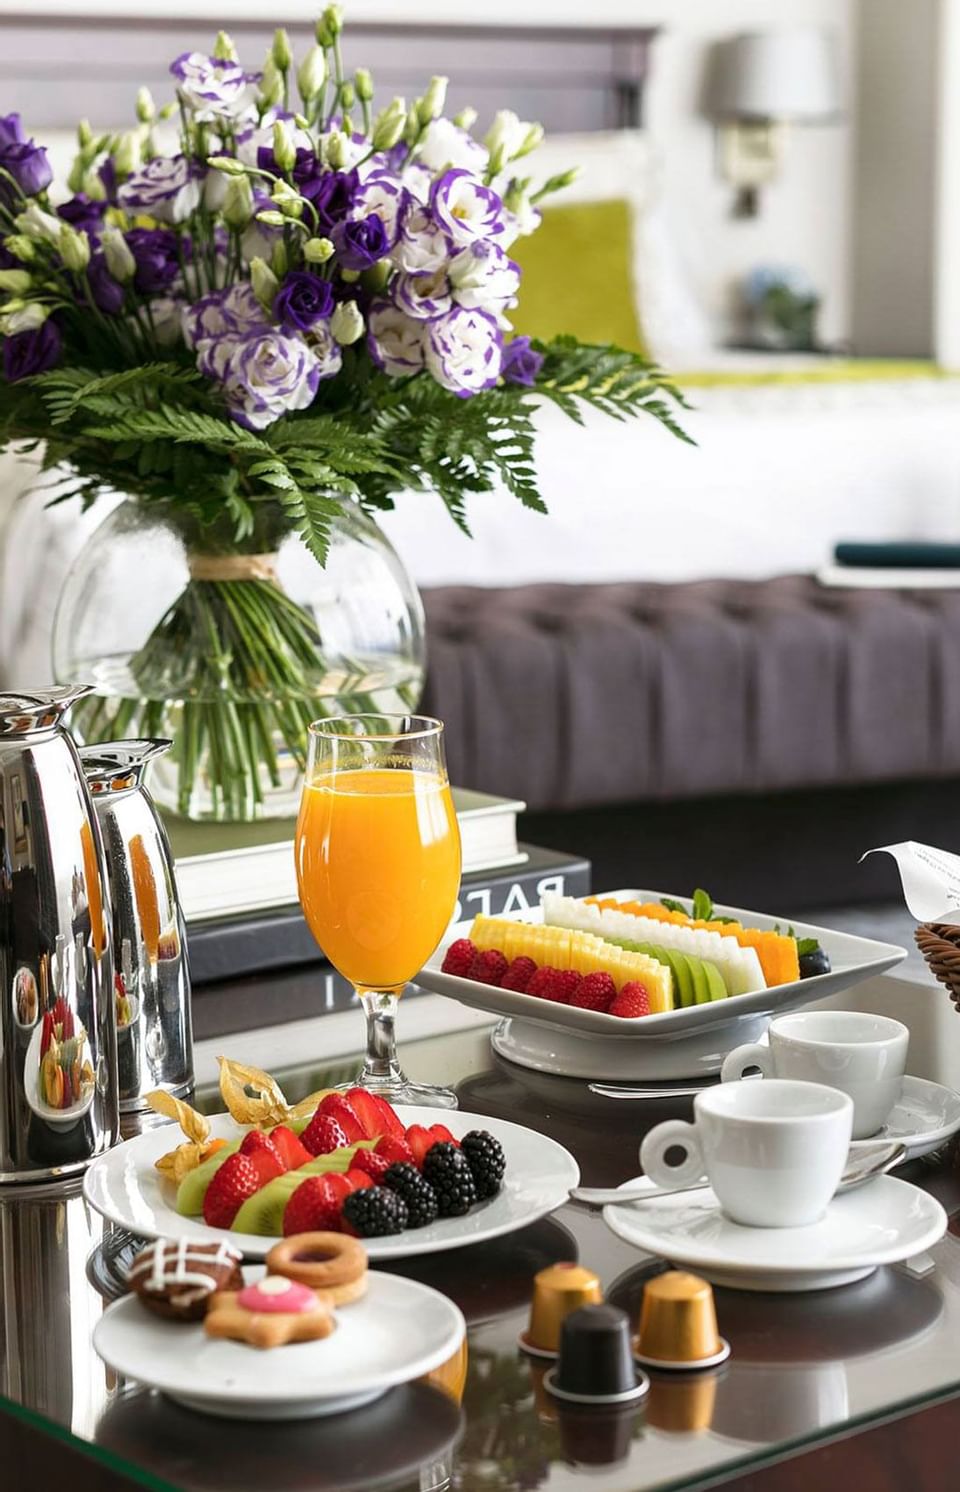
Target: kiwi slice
x: 263, y: 1212
x: 193, y: 1187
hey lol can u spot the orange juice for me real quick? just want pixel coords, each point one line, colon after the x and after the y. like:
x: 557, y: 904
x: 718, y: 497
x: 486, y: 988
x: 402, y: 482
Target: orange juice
x: 378, y: 863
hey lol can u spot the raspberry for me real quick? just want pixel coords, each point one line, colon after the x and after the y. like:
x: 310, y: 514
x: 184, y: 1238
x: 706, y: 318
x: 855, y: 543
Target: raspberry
x: 562, y: 986
x: 323, y: 1134
x: 632, y: 1000
x: 595, y: 992
x: 458, y: 958
x: 488, y: 967
x: 541, y: 980
x: 376, y: 1166
x: 519, y: 974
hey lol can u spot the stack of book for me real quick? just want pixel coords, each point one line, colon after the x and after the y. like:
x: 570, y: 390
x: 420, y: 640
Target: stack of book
x: 898, y: 565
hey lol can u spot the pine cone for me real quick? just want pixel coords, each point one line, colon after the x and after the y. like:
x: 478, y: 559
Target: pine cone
x: 939, y: 942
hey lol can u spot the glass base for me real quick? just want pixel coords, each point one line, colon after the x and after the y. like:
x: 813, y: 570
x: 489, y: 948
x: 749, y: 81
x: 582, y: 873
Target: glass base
x: 398, y: 1089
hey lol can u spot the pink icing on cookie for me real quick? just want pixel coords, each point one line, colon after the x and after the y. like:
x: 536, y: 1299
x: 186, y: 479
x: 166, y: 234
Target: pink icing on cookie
x: 275, y: 1295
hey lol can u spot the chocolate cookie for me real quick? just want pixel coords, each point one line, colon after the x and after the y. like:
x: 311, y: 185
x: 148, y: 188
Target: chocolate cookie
x: 176, y: 1280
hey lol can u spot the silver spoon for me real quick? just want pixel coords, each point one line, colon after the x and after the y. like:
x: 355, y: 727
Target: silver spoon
x: 862, y: 1165
x: 614, y: 1090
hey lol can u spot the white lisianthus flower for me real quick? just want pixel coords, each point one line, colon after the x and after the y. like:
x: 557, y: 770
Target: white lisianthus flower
x: 214, y: 87
x: 166, y: 188
x: 39, y: 225
x: 394, y: 340
x: 326, y: 349
x: 464, y: 351
x: 166, y: 317
x: 519, y: 220
x: 422, y: 247
x: 264, y: 373
x: 223, y: 313
x: 418, y: 180
x: 465, y: 209
x: 18, y: 317
x: 385, y: 196
x: 346, y: 323
x: 509, y: 137
x: 424, y: 297
x: 484, y: 278
x: 120, y: 261
x: 444, y: 145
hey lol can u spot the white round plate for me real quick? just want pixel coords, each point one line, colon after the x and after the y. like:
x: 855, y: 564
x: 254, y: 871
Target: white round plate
x: 398, y: 1331
x: 925, y: 1116
x: 56, y: 1118
x: 880, y: 1223
x: 126, y: 1188
x: 607, y: 1059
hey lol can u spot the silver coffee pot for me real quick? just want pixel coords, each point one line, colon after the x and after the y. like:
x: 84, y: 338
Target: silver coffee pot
x: 58, y: 1058
x: 152, y: 982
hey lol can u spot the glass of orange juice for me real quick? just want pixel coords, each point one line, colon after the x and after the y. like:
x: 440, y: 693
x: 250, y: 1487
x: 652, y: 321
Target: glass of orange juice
x: 378, y: 867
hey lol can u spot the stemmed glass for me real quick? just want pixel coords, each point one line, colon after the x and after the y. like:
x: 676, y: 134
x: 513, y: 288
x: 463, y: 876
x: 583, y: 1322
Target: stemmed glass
x: 378, y: 866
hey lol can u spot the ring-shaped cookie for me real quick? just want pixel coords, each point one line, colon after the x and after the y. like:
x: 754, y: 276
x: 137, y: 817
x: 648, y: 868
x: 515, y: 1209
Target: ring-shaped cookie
x: 334, y: 1264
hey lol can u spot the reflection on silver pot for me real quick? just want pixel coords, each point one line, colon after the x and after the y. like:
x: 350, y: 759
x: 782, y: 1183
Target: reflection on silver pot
x: 152, y: 984
x: 58, y: 1065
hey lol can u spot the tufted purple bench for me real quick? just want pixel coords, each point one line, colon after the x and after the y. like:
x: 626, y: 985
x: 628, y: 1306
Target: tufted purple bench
x: 705, y: 709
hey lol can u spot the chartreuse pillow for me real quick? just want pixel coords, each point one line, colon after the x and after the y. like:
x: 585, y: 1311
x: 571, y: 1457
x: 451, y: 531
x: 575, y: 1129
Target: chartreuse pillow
x: 577, y: 276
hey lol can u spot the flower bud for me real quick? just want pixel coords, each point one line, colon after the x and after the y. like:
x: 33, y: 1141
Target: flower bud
x: 84, y: 134
x: 329, y: 25
x: 284, y: 150
x: 271, y: 218
x: 146, y: 108
x: 92, y: 185
x: 375, y: 278
x: 128, y: 152
x: 280, y: 51
x: 22, y: 316
x: 346, y: 323
x: 120, y: 261
x: 15, y: 281
x: 228, y: 164
x: 349, y: 276
x: 347, y: 125
x: 167, y: 111
x: 237, y: 209
x: 74, y: 248
x: 335, y: 150
x: 21, y: 247
x: 312, y: 74
x: 531, y: 140
x: 317, y: 250
x: 224, y: 49
x: 301, y: 121
x: 264, y: 281
x: 279, y: 261
x: 271, y: 85
x: 389, y: 125
x: 40, y: 226
x: 364, y: 84
x: 288, y: 199
x: 348, y: 96
x: 412, y: 127
x: 466, y: 119
x: 431, y: 105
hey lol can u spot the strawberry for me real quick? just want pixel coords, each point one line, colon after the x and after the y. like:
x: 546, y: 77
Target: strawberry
x: 419, y: 1140
x: 69, y: 1028
x: 339, y: 1107
x: 458, y: 958
x: 395, y: 1149
x: 633, y: 1000
x: 375, y: 1165
x: 292, y: 1151
x: 46, y: 1033
x: 594, y: 992
x: 231, y: 1185
x: 358, y: 1179
x: 367, y: 1109
x: 315, y: 1205
x: 518, y: 975
x: 441, y: 1132
x: 391, y: 1123
x: 488, y: 967
x: 322, y: 1135
x: 262, y: 1151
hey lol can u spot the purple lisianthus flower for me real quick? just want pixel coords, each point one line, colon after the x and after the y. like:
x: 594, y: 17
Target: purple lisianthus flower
x: 264, y: 374
x: 464, y: 351
x: 167, y: 188
x: 108, y: 293
x: 31, y: 352
x: 394, y: 339
x: 521, y: 362
x: 360, y: 245
x: 331, y: 193
x: 464, y: 208
x: 385, y: 196
x: 22, y: 159
x: 224, y: 312
x: 424, y: 297
x: 83, y: 213
x: 303, y: 300
x: 158, y: 260
x: 214, y: 88
x: 107, y: 173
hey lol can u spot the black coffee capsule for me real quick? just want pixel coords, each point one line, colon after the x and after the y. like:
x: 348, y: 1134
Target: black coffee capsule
x: 596, y: 1364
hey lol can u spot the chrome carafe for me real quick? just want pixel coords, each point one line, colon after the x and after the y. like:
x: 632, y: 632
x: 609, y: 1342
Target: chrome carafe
x: 154, y: 1033
x: 58, y: 1059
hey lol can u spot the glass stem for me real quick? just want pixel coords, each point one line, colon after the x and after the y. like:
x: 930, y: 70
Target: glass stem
x: 380, y: 1063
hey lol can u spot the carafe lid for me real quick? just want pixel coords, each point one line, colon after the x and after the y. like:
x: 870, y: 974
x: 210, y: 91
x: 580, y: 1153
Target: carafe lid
x: 24, y: 712
x: 119, y: 766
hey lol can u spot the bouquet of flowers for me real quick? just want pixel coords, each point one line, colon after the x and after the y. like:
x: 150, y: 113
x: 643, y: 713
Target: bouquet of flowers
x: 266, y: 301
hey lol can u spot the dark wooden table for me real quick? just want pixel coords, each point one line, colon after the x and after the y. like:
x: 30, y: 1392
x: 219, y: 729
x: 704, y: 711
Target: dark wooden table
x: 854, y: 1387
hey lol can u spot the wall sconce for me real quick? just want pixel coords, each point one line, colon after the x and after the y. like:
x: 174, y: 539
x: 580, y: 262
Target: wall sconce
x: 758, y: 83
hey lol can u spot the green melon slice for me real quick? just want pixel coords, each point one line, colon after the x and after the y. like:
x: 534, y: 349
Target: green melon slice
x: 193, y: 1187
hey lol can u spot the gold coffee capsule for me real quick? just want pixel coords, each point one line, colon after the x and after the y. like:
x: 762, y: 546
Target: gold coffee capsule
x: 681, y: 1402
x: 557, y: 1290
x: 678, y: 1321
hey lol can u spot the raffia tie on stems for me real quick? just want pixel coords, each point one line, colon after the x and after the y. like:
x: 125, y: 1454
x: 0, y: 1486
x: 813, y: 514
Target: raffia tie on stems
x: 233, y: 566
x: 939, y: 942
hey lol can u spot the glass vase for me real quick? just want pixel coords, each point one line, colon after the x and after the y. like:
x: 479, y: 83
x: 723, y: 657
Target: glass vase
x: 232, y: 650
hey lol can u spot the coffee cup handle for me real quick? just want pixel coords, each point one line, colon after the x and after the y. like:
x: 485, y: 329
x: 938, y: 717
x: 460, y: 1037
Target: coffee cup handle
x: 674, y: 1134
x: 735, y: 1063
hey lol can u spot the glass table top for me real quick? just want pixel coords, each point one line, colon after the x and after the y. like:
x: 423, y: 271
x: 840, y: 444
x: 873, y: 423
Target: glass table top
x: 801, y: 1367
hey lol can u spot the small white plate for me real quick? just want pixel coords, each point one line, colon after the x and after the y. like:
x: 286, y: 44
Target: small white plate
x: 881, y: 1223
x: 925, y: 1116
x: 398, y: 1331
x: 571, y: 1054
x: 56, y: 1118
x: 125, y: 1187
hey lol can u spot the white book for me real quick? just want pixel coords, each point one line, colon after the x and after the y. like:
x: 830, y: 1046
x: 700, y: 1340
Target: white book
x: 882, y: 578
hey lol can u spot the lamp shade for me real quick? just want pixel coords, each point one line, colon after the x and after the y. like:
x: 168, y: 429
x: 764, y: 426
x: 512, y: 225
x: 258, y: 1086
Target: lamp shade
x: 790, y: 74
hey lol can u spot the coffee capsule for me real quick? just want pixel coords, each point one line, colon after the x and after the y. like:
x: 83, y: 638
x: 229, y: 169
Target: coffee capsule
x: 595, y: 1363
x: 678, y: 1323
x: 557, y: 1290
x: 597, y: 1435
x: 681, y: 1402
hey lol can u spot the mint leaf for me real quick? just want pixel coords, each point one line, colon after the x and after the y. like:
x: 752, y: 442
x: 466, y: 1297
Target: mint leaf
x: 702, y: 905
x: 807, y: 945
x: 673, y: 906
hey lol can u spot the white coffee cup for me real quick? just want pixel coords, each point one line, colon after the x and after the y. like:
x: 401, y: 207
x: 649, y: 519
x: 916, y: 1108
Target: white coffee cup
x: 861, y: 1054
x: 773, y: 1152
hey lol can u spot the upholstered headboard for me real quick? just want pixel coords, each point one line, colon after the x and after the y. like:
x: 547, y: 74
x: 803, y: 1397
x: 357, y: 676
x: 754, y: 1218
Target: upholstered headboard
x: 60, y: 64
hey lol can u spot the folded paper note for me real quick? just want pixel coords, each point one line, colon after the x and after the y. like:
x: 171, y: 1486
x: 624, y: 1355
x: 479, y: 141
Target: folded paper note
x: 930, y: 877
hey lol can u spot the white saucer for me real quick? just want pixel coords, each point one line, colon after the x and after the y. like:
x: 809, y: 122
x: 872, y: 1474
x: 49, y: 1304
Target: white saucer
x: 881, y: 1223
x: 926, y: 1115
x: 713, y: 1361
x: 397, y: 1332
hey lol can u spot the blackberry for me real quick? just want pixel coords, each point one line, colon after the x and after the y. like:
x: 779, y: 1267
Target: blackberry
x: 445, y: 1167
x: 416, y: 1191
x: 486, y: 1160
x: 375, y: 1210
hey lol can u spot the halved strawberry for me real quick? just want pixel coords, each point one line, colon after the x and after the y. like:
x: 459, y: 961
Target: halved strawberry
x: 339, y: 1107
x: 393, y: 1149
x: 441, y: 1132
x: 315, y: 1205
x: 266, y: 1157
x: 375, y: 1113
x: 358, y: 1179
x: 293, y: 1152
x: 232, y: 1184
x: 376, y: 1166
x: 419, y: 1139
x: 323, y: 1134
